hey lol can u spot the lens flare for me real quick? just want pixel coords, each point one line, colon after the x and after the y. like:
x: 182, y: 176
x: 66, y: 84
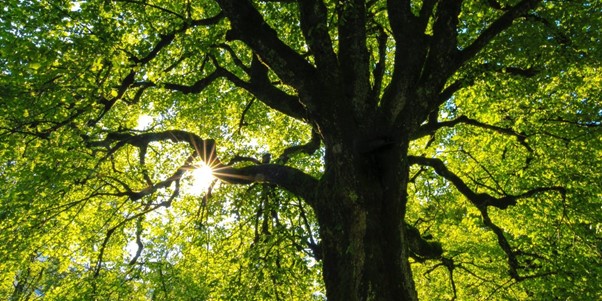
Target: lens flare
x: 202, y: 177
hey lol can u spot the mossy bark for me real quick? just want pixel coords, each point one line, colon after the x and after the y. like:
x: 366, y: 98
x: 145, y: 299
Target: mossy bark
x: 361, y: 216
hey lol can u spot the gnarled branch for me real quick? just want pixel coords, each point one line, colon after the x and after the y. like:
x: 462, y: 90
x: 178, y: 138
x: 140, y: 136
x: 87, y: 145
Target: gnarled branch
x: 497, y: 27
x: 314, y: 25
x: 480, y: 200
x: 286, y: 177
x: 431, y: 127
x: 248, y: 26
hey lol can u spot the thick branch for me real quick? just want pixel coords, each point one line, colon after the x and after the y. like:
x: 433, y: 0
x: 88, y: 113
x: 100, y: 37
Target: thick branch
x: 410, y: 53
x: 480, y: 200
x: 266, y: 92
x: 498, y: 26
x: 315, y: 29
x: 442, y: 56
x: 353, y: 53
x: 400, y: 17
x: 421, y: 248
x: 431, y: 127
x: 249, y: 27
x: 286, y: 177
x: 379, y: 70
x: 426, y: 11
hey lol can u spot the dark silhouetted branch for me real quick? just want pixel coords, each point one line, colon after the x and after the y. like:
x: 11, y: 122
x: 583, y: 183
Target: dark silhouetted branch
x: 308, y: 148
x: 431, y: 127
x: 497, y: 27
x: 313, y: 15
x: 286, y: 177
x: 480, y: 200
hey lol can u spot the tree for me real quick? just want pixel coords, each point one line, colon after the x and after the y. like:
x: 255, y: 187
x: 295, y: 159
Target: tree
x: 441, y: 149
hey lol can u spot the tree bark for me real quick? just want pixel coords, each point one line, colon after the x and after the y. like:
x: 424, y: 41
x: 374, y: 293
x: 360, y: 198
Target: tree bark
x: 360, y: 210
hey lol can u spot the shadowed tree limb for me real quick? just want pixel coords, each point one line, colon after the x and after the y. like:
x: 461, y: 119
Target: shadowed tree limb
x: 480, y: 200
x: 308, y: 148
x: 248, y: 26
x: 286, y: 177
x: 483, y: 201
x: 443, y: 49
x: 265, y: 91
x: 410, y: 53
x: 426, y: 11
x: 431, y: 127
x: 313, y: 17
x: 497, y: 27
x: 379, y: 69
x: 353, y: 51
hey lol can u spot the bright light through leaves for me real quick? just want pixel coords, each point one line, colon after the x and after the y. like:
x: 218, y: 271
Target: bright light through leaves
x: 202, y: 177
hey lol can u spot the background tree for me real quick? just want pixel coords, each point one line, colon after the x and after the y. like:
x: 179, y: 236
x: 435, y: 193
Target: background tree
x: 394, y: 150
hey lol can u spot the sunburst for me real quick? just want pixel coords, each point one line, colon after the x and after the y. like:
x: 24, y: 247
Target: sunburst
x: 202, y: 177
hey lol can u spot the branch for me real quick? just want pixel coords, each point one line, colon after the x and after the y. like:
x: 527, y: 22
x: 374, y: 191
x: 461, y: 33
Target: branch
x: 410, y: 52
x: 248, y: 26
x: 442, y: 55
x: 379, y: 69
x: 165, y: 10
x: 198, y: 86
x: 449, y: 91
x: 353, y: 53
x: 261, y: 87
x: 469, y: 80
x: 139, y: 230
x: 426, y: 11
x: 400, y: 17
x: 480, y: 200
x: 504, y: 244
x: 313, y: 16
x: 242, y: 121
x: 117, y: 226
x: 109, y: 103
x: 166, y: 39
x: 431, y: 127
x: 483, y: 201
x: 308, y: 148
x: 562, y: 38
x: 420, y: 248
x: 497, y: 27
x: 528, y: 72
x: 286, y: 177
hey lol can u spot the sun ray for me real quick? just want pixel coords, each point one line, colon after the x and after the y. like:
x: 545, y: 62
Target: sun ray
x: 201, y: 178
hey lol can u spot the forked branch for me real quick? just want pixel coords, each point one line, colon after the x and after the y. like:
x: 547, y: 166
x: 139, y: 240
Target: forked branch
x: 480, y: 200
x: 483, y: 201
x: 286, y: 177
x: 497, y: 27
x: 431, y: 127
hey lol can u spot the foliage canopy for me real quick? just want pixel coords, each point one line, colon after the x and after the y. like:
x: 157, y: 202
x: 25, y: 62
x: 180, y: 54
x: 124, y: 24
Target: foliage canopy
x: 108, y: 106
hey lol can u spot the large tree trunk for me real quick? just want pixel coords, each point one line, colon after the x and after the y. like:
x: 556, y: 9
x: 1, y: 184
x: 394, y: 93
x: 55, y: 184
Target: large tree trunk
x: 361, y: 215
